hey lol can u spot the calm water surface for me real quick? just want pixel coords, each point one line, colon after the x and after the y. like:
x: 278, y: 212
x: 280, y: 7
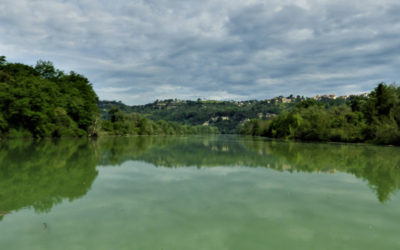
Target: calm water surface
x: 222, y: 192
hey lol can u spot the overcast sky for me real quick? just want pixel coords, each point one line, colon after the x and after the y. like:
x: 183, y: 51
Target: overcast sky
x: 140, y: 51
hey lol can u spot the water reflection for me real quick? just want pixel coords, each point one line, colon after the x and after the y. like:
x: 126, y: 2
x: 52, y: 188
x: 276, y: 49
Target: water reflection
x: 42, y: 174
x: 379, y: 166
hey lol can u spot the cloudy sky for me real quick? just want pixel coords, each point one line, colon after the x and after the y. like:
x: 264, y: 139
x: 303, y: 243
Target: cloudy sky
x: 139, y: 51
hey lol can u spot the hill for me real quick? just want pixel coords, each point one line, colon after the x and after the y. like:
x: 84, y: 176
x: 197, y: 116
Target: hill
x: 42, y: 101
x: 225, y: 115
x: 374, y: 117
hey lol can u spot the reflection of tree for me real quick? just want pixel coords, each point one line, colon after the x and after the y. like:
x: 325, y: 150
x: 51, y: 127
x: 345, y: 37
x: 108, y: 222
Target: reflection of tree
x: 42, y: 174
x: 116, y: 150
x: 173, y: 151
x: 380, y: 166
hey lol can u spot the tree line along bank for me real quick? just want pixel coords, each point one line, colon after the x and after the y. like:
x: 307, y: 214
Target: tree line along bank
x: 42, y: 101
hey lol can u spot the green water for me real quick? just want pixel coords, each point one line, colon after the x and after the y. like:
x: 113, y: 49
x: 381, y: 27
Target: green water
x: 221, y: 192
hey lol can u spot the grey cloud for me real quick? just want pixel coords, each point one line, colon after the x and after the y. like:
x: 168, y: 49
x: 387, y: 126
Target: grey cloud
x: 139, y: 51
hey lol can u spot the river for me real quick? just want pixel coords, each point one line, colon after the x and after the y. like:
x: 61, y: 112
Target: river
x: 213, y: 192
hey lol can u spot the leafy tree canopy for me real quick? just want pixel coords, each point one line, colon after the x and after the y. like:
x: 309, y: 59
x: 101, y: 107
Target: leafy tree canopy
x: 43, y: 101
x: 375, y: 118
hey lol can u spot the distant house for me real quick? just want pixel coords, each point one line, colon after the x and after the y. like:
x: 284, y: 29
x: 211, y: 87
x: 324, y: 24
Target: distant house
x: 329, y: 96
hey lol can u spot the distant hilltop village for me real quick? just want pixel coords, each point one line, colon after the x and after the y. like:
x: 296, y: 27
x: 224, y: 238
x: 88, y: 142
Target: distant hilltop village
x: 292, y: 98
x: 175, y: 103
x: 225, y: 115
x: 334, y: 97
x: 279, y: 99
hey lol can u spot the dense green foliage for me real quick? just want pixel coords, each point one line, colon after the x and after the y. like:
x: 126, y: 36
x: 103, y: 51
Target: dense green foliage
x: 42, y: 101
x: 120, y: 123
x: 225, y: 115
x: 375, y: 118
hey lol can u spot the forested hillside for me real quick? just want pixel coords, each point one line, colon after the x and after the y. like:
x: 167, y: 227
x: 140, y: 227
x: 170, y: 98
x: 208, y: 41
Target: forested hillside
x: 374, y: 118
x: 225, y: 115
x: 118, y: 122
x: 42, y: 101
